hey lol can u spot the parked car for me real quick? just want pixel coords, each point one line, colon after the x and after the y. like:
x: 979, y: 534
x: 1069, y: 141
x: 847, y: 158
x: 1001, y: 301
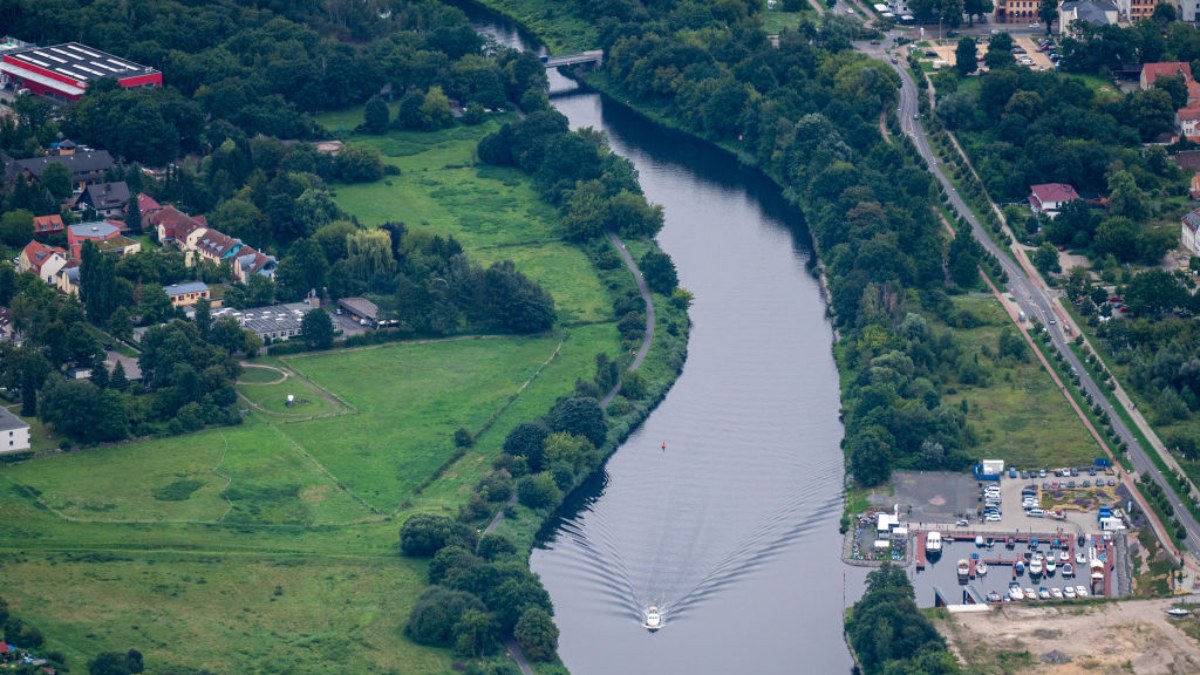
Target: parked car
x: 1036, y: 513
x: 1071, y: 484
x: 991, y: 518
x: 1087, y: 483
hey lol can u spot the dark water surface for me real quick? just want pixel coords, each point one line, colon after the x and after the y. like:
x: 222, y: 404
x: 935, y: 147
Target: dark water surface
x: 732, y: 529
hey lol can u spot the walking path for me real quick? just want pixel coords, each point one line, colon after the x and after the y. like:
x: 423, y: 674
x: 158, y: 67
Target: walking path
x: 510, y: 646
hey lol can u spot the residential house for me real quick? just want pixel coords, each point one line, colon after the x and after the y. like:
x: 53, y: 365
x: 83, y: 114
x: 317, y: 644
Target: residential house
x: 1152, y: 71
x: 85, y: 167
x: 67, y: 279
x: 250, y: 261
x: 64, y: 148
x: 147, y: 205
x: 187, y: 293
x: 1093, y: 12
x: 41, y: 259
x: 1189, y: 235
x: 1048, y: 198
x: 1187, y: 118
x: 1189, y: 10
x: 106, y: 199
x: 44, y: 226
x: 1187, y: 123
x: 106, y: 235
x: 214, y: 246
x: 14, y: 432
x: 172, y: 225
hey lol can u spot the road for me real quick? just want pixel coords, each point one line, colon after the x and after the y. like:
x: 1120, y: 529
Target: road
x: 1031, y: 296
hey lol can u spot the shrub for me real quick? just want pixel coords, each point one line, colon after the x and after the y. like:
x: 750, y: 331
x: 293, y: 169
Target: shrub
x: 423, y: 534
x: 433, y: 617
x: 538, y: 491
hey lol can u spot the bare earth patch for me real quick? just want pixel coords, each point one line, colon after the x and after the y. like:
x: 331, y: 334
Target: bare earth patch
x: 1131, y: 636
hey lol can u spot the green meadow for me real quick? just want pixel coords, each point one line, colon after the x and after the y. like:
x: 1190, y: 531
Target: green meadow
x: 271, y: 546
x: 1021, y: 416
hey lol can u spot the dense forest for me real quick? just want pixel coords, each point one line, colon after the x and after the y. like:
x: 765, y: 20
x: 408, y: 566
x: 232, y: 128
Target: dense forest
x: 890, y: 635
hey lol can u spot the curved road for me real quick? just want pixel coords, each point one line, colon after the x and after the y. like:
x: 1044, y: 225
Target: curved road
x: 1033, y: 298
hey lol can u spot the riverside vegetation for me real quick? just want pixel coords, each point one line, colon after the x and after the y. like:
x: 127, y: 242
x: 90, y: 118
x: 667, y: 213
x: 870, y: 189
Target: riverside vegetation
x: 277, y: 537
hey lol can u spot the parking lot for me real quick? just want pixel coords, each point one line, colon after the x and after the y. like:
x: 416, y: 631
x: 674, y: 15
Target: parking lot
x: 955, y: 501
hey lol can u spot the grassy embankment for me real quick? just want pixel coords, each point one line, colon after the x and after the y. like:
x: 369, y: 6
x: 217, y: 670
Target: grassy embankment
x: 272, y: 545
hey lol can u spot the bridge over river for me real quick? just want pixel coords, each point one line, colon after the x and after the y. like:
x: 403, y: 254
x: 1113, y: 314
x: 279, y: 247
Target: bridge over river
x: 593, y: 56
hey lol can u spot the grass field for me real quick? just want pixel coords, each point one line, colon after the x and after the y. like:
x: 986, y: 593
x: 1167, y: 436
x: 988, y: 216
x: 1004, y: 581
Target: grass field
x: 1021, y: 417
x: 271, y: 546
x: 493, y: 212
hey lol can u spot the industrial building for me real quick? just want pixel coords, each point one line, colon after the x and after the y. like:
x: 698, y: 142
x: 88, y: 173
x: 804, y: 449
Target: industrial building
x: 65, y: 71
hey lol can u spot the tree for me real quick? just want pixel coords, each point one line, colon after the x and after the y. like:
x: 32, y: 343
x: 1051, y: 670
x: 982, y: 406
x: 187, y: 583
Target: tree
x: 1048, y: 13
x: 317, y: 329
x: 951, y: 12
x: 228, y: 334
x: 16, y: 228
x: 435, y: 614
x: 133, y: 215
x: 97, y: 283
x: 56, y: 179
x: 1045, y: 258
x: 964, y: 56
x: 658, y: 271
x: 376, y: 116
x: 1153, y: 292
x: 424, y: 534
x: 526, y: 440
x: 1125, y: 197
x: 119, y: 381
x: 156, y: 305
x: 977, y: 8
x: 242, y: 219
x: 999, y: 54
x: 203, y: 316
x: 538, y: 491
x: 435, y: 109
x: 514, y: 302
x: 120, y: 324
x: 581, y: 416
x: 359, y: 164
x: 536, y: 634
x: 1175, y: 87
x: 303, y: 269
x: 475, y: 634
x: 1117, y: 236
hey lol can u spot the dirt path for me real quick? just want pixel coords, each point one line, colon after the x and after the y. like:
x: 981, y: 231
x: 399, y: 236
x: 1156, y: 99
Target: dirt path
x: 1121, y: 637
x: 648, y: 338
x: 283, y: 374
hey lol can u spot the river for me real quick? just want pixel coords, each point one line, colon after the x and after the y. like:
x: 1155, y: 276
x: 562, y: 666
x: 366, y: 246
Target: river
x: 731, y: 528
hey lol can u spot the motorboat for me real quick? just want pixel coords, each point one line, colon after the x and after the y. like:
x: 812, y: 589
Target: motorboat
x: 1035, y: 567
x: 1081, y: 558
x: 981, y: 568
x: 1043, y: 593
x: 1015, y: 592
x: 1081, y: 591
x: 964, y: 567
x: 933, y: 544
x: 1020, y: 567
x: 1064, y: 556
x: 1178, y: 612
x: 1056, y: 593
x: 1030, y: 594
x: 653, y: 619
x: 979, y: 540
x: 1068, y: 570
x: 1050, y: 565
x: 1069, y: 592
x: 993, y: 597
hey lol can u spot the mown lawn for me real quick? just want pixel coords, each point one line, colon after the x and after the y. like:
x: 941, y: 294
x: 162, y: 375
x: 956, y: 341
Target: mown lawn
x: 1021, y: 417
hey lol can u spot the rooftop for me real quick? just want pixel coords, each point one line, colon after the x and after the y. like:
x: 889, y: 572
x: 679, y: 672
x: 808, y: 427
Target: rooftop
x: 94, y: 230
x: 1054, y: 192
x: 79, y: 163
x: 361, y: 307
x: 79, y: 63
x: 186, y: 287
x: 108, y: 195
x: 9, y: 421
x: 1153, y: 71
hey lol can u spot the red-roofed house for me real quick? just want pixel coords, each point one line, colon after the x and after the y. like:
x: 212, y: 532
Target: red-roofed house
x: 249, y: 261
x: 173, y: 226
x: 147, y: 204
x: 41, y: 259
x: 1153, y: 71
x: 1048, y: 198
x: 47, y: 225
x: 213, y: 245
x: 105, y: 234
x: 1187, y: 121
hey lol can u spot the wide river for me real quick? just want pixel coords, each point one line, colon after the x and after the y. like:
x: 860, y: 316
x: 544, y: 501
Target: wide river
x: 732, y: 529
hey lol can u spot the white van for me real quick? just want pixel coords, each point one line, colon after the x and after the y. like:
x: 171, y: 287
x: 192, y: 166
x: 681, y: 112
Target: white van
x: 1037, y: 513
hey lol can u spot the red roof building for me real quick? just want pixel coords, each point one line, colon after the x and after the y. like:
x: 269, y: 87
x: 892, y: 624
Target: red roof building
x: 65, y: 71
x: 173, y: 225
x: 41, y: 259
x: 46, y: 225
x: 1049, y: 197
x: 1152, y: 71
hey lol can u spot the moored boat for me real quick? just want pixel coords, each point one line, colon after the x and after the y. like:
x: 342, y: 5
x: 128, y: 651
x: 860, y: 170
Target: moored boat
x: 1035, y: 567
x: 981, y: 568
x: 1050, y: 565
x: 964, y: 567
x: 933, y: 544
x: 1019, y: 566
x: 1068, y: 570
